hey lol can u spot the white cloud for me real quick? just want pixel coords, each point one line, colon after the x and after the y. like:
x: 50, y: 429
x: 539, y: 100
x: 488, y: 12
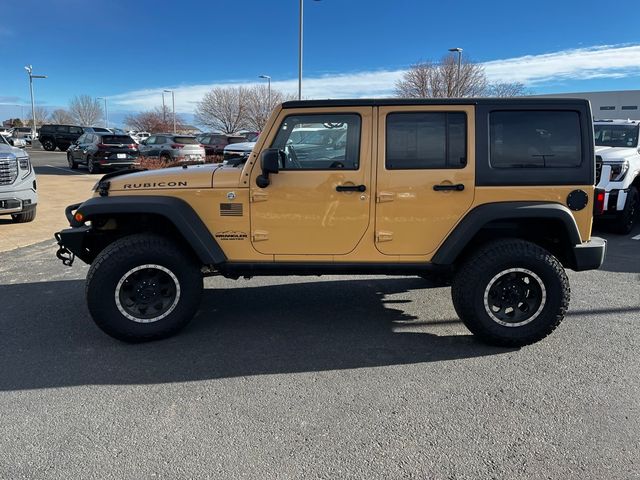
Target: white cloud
x: 606, y: 61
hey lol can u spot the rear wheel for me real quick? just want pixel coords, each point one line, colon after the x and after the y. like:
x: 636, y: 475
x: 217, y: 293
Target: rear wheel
x: 48, y: 145
x: 511, y: 293
x: 627, y: 219
x: 143, y: 287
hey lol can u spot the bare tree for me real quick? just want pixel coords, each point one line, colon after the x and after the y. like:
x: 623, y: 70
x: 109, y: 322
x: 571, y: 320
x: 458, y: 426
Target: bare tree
x: 223, y: 109
x: 85, y: 110
x: 153, y: 121
x: 60, y: 115
x: 441, y: 80
x: 506, y: 89
x: 42, y: 117
x: 259, y: 104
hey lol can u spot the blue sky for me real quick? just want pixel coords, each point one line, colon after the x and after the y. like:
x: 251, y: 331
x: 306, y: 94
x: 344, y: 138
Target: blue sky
x: 130, y: 50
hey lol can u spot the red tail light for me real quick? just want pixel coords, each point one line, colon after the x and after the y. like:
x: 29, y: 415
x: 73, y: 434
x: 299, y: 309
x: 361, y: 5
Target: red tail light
x: 133, y: 146
x: 598, y: 203
x: 177, y: 145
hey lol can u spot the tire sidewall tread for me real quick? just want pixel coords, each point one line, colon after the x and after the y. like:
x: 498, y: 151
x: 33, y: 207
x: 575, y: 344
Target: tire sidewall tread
x: 472, y: 278
x: 121, y: 256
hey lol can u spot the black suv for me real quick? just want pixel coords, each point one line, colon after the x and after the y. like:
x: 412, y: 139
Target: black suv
x: 61, y: 136
x: 103, y: 150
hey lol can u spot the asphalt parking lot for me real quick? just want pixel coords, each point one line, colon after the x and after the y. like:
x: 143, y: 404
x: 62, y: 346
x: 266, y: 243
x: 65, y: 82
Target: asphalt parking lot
x: 331, y: 377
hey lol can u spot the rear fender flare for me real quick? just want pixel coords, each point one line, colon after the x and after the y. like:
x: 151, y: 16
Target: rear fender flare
x: 480, y: 216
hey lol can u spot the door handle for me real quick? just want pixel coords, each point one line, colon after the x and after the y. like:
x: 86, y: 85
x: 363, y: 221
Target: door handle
x: 441, y: 188
x: 351, y: 188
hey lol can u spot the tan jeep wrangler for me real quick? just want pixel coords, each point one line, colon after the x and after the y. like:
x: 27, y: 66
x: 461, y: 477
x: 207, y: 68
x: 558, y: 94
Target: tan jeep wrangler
x: 497, y: 195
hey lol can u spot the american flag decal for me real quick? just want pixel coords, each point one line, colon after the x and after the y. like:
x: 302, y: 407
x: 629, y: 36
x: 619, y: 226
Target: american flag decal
x: 230, y: 209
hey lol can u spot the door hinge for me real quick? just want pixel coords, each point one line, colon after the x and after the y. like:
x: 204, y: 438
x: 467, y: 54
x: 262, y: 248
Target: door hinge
x: 383, y: 197
x: 384, y: 236
x: 258, y: 196
x: 259, y: 236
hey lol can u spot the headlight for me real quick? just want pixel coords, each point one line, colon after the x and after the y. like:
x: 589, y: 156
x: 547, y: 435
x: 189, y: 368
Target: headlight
x: 618, y: 171
x: 25, y: 166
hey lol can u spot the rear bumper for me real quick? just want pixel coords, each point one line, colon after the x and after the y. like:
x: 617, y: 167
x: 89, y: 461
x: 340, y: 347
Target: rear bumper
x: 589, y: 255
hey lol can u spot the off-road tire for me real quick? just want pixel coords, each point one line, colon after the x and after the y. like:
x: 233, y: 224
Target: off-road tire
x: 24, y: 217
x: 626, y: 220
x: 48, y: 144
x: 116, y: 261
x: 92, y: 167
x: 72, y: 163
x: 473, y: 279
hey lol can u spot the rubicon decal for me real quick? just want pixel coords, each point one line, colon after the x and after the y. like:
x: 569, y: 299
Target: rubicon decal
x: 127, y: 186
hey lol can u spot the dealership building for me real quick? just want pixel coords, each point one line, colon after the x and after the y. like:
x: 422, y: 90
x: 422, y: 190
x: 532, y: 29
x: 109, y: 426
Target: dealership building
x: 612, y: 104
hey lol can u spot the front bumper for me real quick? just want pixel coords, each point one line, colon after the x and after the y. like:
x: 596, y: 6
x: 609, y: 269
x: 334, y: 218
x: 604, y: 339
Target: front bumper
x: 18, y: 201
x: 589, y: 255
x: 71, y: 244
x: 615, y: 201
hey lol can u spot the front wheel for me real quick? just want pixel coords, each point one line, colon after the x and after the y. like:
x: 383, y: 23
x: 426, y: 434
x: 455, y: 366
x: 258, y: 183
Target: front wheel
x: 72, y: 164
x: 143, y: 287
x: 627, y: 218
x: 511, y: 293
x: 24, y: 217
x: 92, y: 166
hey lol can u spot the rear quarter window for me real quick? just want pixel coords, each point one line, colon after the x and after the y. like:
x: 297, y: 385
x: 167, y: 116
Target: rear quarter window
x: 535, y: 139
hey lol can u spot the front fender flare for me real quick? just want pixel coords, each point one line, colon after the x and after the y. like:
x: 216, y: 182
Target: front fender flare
x: 177, y: 211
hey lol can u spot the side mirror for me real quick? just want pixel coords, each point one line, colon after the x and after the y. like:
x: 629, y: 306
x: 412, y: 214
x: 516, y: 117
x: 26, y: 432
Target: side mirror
x: 270, y: 163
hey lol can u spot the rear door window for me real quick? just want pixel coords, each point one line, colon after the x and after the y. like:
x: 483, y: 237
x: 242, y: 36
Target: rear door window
x: 116, y: 139
x: 185, y: 140
x: 426, y: 140
x: 535, y: 139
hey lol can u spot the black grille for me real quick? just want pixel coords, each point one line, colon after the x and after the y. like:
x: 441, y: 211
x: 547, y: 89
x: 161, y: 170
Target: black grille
x: 598, y: 168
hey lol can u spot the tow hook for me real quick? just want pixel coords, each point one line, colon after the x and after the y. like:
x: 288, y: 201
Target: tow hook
x: 63, y: 252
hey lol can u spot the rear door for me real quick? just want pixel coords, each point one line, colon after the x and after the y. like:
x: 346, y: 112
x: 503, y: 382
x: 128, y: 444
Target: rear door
x: 425, y: 175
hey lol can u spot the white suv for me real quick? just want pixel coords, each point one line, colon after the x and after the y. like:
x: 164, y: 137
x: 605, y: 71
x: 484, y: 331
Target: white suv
x: 18, y: 196
x: 617, y: 170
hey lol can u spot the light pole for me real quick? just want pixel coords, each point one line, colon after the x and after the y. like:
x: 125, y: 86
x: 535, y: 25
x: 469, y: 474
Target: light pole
x: 164, y: 113
x: 106, y: 112
x: 300, y: 37
x: 459, y: 50
x: 29, y: 69
x: 173, y: 103
x: 268, y: 78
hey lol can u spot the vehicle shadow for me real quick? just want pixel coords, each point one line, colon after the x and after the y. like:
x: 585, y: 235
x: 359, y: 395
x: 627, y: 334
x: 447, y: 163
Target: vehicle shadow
x: 304, y: 327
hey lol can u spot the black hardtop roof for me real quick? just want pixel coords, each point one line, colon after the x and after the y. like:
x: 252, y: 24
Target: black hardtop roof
x: 380, y: 102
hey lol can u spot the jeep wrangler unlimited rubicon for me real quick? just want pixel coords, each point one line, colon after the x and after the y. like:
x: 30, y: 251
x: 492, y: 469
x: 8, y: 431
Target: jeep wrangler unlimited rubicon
x: 496, y: 194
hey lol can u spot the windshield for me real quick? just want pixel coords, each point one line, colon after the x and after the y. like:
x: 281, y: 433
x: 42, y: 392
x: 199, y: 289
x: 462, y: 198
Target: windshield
x: 616, y: 135
x: 3, y: 140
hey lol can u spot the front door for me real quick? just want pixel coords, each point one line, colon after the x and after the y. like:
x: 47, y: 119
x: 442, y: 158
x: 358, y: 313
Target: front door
x: 319, y: 202
x: 425, y: 175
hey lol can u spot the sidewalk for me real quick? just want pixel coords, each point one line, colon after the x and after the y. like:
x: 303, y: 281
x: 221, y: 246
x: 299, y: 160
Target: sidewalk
x: 55, y: 192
